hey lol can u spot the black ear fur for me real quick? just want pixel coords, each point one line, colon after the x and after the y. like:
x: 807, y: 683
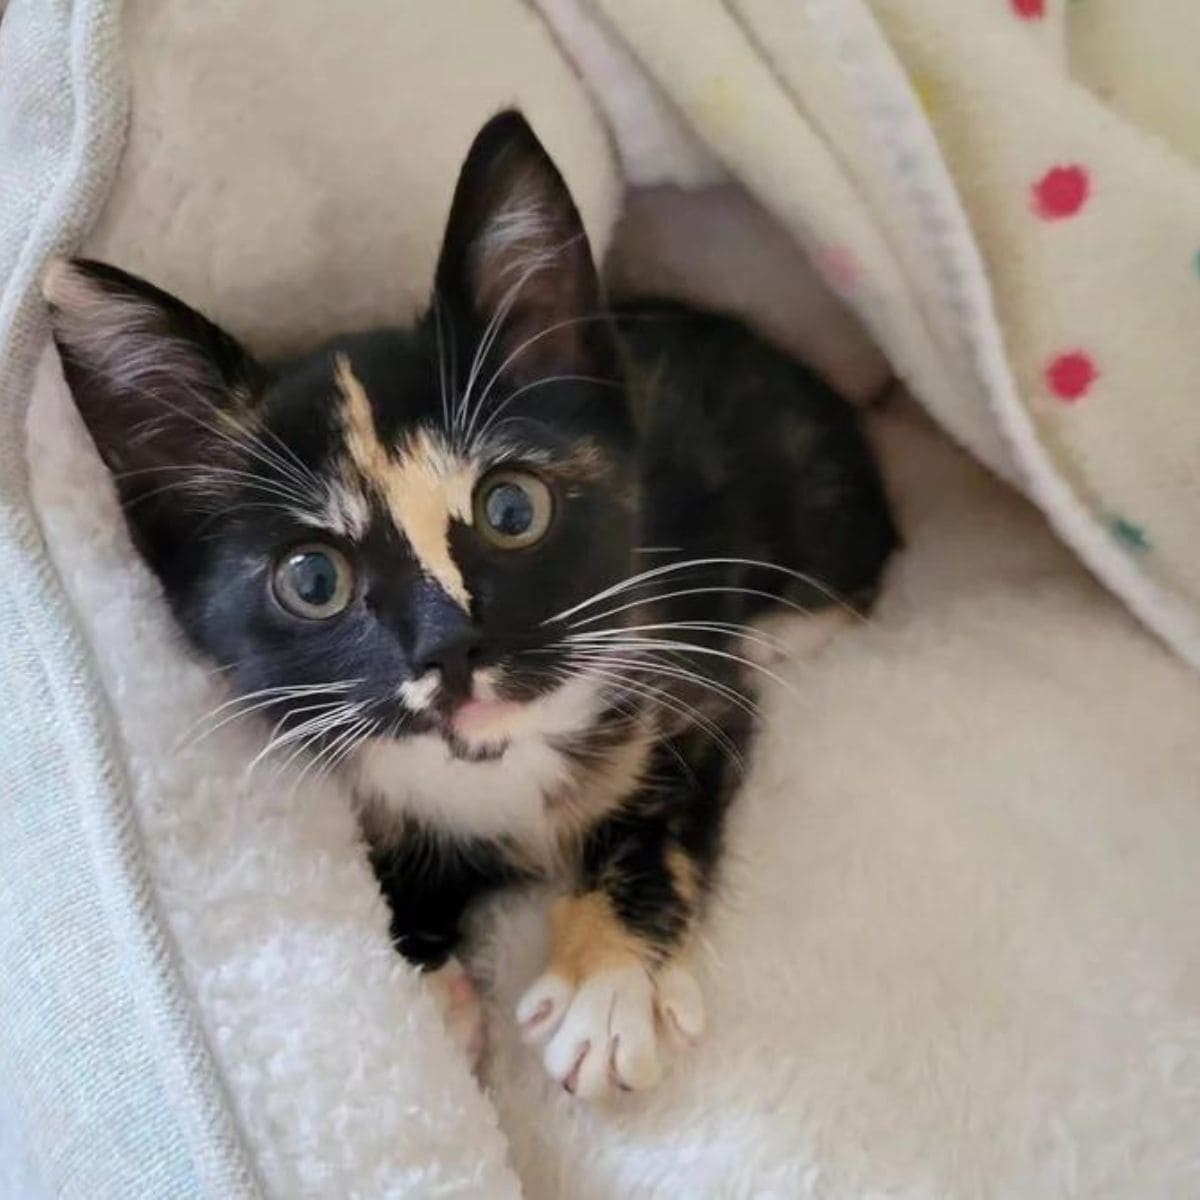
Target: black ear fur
x: 162, y: 390
x: 515, y: 257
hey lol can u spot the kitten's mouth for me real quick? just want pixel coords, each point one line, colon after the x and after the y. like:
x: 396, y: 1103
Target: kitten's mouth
x: 477, y: 722
x: 479, y: 730
x: 479, y: 715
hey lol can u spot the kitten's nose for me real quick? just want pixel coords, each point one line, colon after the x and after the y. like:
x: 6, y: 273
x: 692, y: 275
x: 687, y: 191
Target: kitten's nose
x: 445, y: 640
x: 453, y: 655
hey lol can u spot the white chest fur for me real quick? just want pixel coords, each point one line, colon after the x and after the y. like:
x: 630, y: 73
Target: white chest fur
x: 512, y: 796
x: 505, y: 797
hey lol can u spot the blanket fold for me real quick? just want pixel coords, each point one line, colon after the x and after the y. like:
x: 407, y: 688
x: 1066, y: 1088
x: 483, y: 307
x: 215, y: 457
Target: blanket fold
x: 1026, y: 252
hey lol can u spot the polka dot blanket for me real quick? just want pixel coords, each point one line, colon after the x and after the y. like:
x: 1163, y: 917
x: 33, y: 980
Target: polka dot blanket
x: 1008, y: 194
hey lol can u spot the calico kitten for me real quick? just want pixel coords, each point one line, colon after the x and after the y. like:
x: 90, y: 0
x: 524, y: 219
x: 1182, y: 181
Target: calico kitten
x: 496, y: 567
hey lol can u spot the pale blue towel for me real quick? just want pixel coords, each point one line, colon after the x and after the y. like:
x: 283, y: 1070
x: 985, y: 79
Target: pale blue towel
x: 106, y: 1086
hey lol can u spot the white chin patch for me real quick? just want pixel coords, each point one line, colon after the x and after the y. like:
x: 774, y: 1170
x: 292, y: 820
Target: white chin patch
x: 497, y: 779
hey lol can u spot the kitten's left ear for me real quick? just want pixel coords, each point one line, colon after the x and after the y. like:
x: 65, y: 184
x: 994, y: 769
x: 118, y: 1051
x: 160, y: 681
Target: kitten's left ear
x: 515, y: 254
x: 160, y: 388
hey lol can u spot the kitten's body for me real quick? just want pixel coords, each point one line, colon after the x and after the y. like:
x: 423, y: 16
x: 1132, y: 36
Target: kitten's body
x: 508, y: 560
x: 744, y: 456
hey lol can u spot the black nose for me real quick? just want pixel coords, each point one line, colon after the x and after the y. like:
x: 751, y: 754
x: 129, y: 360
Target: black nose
x: 453, y: 654
x: 444, y: 639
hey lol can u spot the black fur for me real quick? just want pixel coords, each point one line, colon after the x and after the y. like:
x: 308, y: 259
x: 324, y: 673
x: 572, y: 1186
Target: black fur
x: 664, y: 436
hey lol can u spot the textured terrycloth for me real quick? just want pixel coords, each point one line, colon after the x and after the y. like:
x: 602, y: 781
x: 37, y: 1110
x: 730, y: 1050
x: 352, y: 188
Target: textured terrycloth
x: 955, y: 954
x: 105, y: 1085
x: 285, y: 173
x: 1006, y: 191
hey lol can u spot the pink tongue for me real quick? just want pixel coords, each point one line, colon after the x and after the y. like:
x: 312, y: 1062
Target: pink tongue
x: 482, y: 712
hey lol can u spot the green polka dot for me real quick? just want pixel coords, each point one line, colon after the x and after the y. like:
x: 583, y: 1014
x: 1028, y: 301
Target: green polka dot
x: 1131, y: 536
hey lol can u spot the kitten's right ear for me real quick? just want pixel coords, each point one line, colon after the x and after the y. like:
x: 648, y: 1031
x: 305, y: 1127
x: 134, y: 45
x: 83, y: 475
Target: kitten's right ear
x: 515, y: 258
x: 162, y: 390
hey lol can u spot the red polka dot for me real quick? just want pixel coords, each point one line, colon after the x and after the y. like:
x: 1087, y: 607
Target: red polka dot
x: 1029, y: 10
x: 1061, y: 192
x: 1070, y: 376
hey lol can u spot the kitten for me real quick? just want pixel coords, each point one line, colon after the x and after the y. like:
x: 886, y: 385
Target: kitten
x: 496, y: 567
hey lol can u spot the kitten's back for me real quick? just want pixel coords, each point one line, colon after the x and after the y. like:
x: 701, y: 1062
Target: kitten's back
x: 749, y: 455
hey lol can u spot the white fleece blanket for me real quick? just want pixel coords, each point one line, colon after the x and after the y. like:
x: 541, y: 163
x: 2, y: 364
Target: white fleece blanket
x: 1005, y: 192
x: 955, y: 954
x: 284, y: 173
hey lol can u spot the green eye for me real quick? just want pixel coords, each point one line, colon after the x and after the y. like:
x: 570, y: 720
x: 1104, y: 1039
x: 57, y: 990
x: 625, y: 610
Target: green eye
x: 513, y: 509
x: 314, y: 582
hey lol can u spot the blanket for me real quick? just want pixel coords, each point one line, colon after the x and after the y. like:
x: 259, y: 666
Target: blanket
x: 200, y: 996
x: 951, y: 956
x: 1006, y: 192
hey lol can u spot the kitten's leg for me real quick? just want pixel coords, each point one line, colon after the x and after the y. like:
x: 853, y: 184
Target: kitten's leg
x: 618, y: 992
x: 429, y: 885
x: 462, y: 1009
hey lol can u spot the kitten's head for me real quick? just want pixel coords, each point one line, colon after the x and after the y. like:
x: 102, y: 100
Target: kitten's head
x: 386, y: 530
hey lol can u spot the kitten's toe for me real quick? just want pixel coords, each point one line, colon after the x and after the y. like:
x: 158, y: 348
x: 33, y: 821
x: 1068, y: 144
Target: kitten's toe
x: 542, y: 1006
x: 461, y: 1008
x: 680, y: 1004
x: 615, y: 1030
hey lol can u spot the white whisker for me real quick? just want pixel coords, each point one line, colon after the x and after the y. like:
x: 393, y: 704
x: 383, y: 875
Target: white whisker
x: 674, y: 671
x: 661, y: 598
x: 674, y: 704
x: 628, y: 638
x: 694, y: 564
x: 490, y: 423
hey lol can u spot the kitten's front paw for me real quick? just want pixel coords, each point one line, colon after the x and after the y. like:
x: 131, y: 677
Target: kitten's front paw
x: 614, y: 1028
x: 461, y: 1007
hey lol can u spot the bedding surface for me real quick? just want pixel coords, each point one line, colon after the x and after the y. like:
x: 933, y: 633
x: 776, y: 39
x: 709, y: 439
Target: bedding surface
x: 1005, y: 193
x: 292, y: 176
x: 954, y: 953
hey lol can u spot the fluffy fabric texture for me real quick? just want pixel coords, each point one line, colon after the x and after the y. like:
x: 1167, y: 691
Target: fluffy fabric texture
x: 954, y: 952
x: 342, y: 1077
x: 1027, y: 276
x: 260, y: 164
x: 105, y: 1086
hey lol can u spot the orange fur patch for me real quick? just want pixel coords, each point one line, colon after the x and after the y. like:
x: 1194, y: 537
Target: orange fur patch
x: 587, y: 937
x: 424, y: 486
x: 683, y: 875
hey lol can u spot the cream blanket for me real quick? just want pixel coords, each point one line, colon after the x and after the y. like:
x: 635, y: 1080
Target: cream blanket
x: 1007, y: 192
x: 956, y: 952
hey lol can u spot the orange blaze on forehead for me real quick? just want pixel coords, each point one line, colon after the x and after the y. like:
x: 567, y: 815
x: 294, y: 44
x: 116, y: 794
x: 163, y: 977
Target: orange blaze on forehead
x: 423, y: 486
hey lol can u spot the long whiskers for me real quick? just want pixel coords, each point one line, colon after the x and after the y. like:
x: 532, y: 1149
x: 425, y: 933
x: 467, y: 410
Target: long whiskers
x: 330, y: 716
x: 686, y: 712
x: 654, y: 573
x: 631, y: 638
x: 251, y: 702
x: 294, y: 475
x: 476, y: 437
x: 661, y: 597
x: 631, y: 661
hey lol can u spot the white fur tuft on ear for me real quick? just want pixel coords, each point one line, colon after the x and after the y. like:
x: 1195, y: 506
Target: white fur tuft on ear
x: 120, y: 336
x: 519, y: 238
x: 515, y: 261
x: 162, y: 390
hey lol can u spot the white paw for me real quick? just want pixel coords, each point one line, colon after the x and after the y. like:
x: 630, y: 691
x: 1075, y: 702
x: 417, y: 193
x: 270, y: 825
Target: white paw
x: 461, y: 1008
x: 615, y: 1029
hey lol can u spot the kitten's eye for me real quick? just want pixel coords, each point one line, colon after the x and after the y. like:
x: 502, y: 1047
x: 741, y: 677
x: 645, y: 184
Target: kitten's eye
x: 513, y: 509
x: 314, y: 581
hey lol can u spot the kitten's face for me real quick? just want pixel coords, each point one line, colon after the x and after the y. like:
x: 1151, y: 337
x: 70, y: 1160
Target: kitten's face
x: 387, y: 531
